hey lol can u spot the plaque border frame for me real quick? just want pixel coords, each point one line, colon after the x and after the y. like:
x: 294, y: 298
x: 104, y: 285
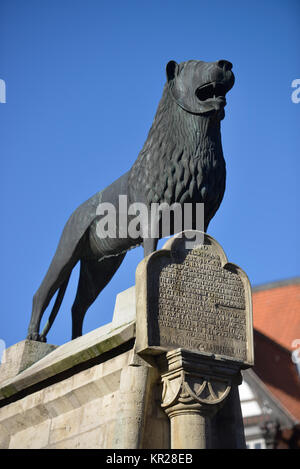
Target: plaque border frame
x: 144, y: 330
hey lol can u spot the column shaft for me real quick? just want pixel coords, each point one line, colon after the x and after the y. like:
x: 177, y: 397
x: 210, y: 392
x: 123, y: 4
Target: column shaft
x: 189, y: 430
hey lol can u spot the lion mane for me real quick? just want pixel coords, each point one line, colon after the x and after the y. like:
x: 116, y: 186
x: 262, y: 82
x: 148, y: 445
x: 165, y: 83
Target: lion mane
x: 182, y: 159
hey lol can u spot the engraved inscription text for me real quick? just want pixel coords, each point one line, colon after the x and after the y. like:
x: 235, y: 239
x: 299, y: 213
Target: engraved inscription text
x: 201, y: 306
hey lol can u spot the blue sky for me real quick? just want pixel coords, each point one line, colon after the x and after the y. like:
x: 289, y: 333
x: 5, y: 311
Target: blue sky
x: 83, y: 80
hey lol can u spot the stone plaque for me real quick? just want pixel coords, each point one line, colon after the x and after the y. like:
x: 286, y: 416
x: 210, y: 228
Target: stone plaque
x: 192, y: 298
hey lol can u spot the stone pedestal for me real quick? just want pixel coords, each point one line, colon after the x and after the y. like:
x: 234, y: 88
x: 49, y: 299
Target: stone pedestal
x: 22, y: 355
x: 163, y: 374
x: 194, y: 389
x: 93, y: 392
x: 194, y: 310
x: 227, y: 428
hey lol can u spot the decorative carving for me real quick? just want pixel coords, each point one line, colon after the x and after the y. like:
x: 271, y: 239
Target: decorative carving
x: 182, y: 391
x: 192, y: 385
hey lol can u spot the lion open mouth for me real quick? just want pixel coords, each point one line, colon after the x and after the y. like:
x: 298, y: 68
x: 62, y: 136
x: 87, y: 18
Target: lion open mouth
x: 210, y: 91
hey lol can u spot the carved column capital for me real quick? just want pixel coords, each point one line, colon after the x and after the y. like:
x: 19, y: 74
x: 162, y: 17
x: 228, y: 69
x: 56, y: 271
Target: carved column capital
x: 193, y: 384
x: 185, y: 392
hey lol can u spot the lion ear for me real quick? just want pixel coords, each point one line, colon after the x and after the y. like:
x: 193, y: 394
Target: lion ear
x: 171, y: 70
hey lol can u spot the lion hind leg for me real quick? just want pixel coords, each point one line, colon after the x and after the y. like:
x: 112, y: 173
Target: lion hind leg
x: 42, y: 299
x: 58, y: 274
x: 94, y: 276
x: 72, y: 245
x: 55, y: 309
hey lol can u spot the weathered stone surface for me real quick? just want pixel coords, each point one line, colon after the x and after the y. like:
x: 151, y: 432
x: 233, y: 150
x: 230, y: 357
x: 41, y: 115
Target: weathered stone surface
x: 22, y: 355
x: 124, y: 311
x: 34, y: 437
x: 116, y: 400
x: 195, y: 388
x: 194, y: 299
x: 66, y: 356
x: 113, y: 404
x: 230, y: 419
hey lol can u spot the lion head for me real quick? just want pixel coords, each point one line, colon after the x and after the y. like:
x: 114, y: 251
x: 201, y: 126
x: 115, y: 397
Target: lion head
x: 200, y: 87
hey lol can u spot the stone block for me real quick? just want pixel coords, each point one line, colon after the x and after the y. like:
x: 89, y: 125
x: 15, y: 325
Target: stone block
x: 68, y: 355
x: 33, y: 437
x: 124, y: 311
x: 22, y: 355
x: 93, y: 439
x: 4, y: 438
x: 92, y: 415
x: 65, y: 426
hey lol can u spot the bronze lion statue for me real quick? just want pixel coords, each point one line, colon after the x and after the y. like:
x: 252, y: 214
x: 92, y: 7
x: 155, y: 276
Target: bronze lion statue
x: 181, y: 162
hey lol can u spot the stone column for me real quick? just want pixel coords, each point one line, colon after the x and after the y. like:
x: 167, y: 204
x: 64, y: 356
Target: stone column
x: 135, y: 384
x: 194, y: 389
x: 229, y: 417
x: 194, y: 309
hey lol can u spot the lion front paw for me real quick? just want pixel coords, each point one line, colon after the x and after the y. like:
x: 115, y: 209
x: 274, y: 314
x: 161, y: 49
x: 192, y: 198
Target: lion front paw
x: 36, y: 336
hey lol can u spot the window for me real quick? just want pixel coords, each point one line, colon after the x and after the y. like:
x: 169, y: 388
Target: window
x: 256, y: 444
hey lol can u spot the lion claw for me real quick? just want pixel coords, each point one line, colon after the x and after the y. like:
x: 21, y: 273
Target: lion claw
x: 36, y: 337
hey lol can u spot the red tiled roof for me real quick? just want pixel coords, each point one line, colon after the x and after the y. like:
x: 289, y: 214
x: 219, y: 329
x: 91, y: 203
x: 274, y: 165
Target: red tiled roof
x: 276, y: 313
x: 276, y: 317
x: 275, y: 368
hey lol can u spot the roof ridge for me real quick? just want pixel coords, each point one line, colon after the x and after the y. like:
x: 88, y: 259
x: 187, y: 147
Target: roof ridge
x: 276, y: 284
